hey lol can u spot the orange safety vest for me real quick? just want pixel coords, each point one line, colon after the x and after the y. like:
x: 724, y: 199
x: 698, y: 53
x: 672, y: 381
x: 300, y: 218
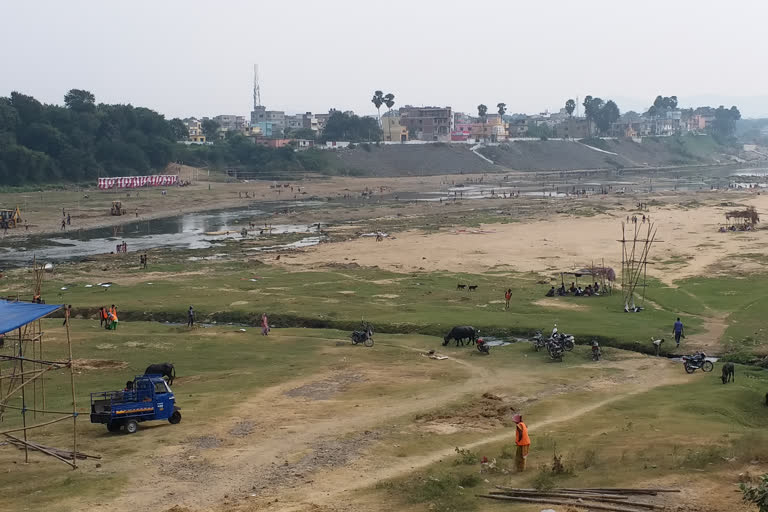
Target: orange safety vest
x: 114, y: 312
x: 521, y: 435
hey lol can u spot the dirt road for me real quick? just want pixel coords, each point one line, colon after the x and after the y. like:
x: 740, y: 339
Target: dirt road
x: 296, y: 449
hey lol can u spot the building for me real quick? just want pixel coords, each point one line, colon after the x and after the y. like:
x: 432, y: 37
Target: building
x: 260, y: 114
x: 264, y: 128
x: 427, y: 123
x: 322, y: 119
x: 272, y: 143
x: 572, y: 128
x: 294, y: 123
x: 391, y: 128
x: 195, y: 129
x: 518, y: 128
x: 491, y: 129
x: 230, y: 123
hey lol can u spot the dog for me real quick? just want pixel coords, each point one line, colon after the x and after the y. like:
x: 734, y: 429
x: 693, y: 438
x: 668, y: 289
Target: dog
x: 460, y: 286
x: 472, y: 287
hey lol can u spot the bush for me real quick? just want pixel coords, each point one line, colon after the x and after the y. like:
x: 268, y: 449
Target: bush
x: 465, y: 457
x: 508, y: 451
x: 757, y: 495
x: 590, y: 458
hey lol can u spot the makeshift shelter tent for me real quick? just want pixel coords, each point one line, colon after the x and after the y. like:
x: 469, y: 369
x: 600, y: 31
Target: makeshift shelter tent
x: 605, y: 276
x: 747, y: 217
x: 22, y: 368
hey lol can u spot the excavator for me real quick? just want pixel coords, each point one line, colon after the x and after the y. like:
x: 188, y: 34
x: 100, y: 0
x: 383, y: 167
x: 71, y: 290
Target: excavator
x: 10, y: 219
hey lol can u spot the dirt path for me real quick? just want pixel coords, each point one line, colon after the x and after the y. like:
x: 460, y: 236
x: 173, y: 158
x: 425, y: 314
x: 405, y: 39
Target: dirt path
x: 281, y: 437
x: 337, y: 487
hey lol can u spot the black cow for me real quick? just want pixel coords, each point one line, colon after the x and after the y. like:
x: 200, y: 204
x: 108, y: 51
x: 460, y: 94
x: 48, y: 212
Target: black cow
x: 164, y: 369
x: 460, y: 333
x: 729, y: 373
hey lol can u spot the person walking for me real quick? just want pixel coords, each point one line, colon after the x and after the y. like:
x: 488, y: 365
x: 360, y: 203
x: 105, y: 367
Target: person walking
x: 522, y: 441
x: 112, y: 317
x: 678, y: 331
x: 67, y: 313
x: 264, y: 324
x: 507, y: 298
x: 101, y: 316
x: 191, y: 317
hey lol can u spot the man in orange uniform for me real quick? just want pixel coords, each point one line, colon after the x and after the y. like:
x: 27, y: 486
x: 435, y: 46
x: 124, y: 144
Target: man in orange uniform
x: 522, y: 441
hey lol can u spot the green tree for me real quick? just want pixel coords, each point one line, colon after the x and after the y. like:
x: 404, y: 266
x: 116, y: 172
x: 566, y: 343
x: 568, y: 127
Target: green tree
x: 378, y: 101
x: 724, y: 124
x: 502, y: 109
x: 570, y: 106
x: 178, y: 129
x: 592, y: 108
x: 482, y: 110
x: 80, y: 100
x: 210, y: 129
x: 607, y: 115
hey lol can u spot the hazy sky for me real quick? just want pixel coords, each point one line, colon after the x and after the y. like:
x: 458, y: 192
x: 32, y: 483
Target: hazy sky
x: 196, y: 57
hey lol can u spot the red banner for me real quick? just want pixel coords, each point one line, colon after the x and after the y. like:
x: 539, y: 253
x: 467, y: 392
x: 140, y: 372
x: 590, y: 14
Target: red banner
x: 159, y: 180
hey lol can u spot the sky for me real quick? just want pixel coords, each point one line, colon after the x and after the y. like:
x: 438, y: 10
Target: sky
x: 195, y: 58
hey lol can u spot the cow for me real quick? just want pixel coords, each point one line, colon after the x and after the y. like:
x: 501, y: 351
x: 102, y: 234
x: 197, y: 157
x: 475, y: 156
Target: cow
x: 728, y: 373
x: 461, y: 286
x: 164, y: 369
x: 472, y: 287
x: 460, y: 333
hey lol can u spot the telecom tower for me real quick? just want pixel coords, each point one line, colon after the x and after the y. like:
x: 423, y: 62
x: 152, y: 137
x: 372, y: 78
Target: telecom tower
x: 256, y: 90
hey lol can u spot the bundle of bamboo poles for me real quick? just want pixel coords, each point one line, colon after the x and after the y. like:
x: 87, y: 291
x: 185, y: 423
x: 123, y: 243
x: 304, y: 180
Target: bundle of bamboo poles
x: 610, y: 499
x: 54, y: 452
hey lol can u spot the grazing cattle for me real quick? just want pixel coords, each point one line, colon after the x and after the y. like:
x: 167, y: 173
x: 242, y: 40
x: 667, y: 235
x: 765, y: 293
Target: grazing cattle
x: 164, y: 369
x: 460, y: 286
x: 460, y: 333
x: 728, y: 373
x: 472, y: 287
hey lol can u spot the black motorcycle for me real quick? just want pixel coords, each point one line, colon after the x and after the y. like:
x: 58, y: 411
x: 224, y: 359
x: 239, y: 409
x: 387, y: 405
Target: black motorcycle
x: 697, y: 362
x: 567, y: 341
x: 364, y: 336
x: 538, y: 341
x: 555, y: 350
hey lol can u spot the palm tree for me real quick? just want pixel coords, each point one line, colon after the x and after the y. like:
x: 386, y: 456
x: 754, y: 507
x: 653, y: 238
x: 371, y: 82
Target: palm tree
x: 570, y: 106
x: 502, y: 109
x: 378, y: 101
x: 389, y: 101
x: 482, y: 110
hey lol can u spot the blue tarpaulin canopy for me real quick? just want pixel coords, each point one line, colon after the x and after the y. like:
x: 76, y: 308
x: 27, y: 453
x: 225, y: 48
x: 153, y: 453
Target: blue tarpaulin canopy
x: 17, y: 314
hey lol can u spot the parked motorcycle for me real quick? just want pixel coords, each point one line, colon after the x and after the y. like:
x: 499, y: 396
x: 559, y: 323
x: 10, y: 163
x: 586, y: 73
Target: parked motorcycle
x: 483, y: 347
x: 567, y: 341
x: 364, y: 336
x: 697, y: 361
x: 596, y: 353
x: 538, y: 341
x: 555, y: 350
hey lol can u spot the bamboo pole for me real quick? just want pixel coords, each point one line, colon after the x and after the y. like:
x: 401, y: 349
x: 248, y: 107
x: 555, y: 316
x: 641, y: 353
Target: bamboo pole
x: 74, y: 403
x: 602, y: 498
x: 23, y: 399
x: 23, y: 383
x: 36, y: 446
x: 573, y: 502
x: 42, y: 381
x: 39, y: 410
x: 25, y: 428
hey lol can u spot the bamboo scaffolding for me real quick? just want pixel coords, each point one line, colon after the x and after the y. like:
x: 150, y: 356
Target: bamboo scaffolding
x: 555, y: 501
x: 17, y: 381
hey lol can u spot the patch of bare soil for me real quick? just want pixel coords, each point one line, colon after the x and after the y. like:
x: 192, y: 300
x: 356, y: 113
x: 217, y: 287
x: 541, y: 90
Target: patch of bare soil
x: 559, y: 304
x: 243, y: 428
x: 323, y: 455
x: 99, y: 364
x: 487, y: 412
x: 326, y: 388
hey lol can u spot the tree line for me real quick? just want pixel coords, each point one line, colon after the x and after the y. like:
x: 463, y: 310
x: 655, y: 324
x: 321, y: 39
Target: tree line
x: 81, y: 140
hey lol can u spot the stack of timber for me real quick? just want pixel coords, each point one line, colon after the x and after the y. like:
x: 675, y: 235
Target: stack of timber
x: 610, y: 499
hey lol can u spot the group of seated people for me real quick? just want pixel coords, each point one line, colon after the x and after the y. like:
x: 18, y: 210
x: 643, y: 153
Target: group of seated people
x: 577, y: 291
